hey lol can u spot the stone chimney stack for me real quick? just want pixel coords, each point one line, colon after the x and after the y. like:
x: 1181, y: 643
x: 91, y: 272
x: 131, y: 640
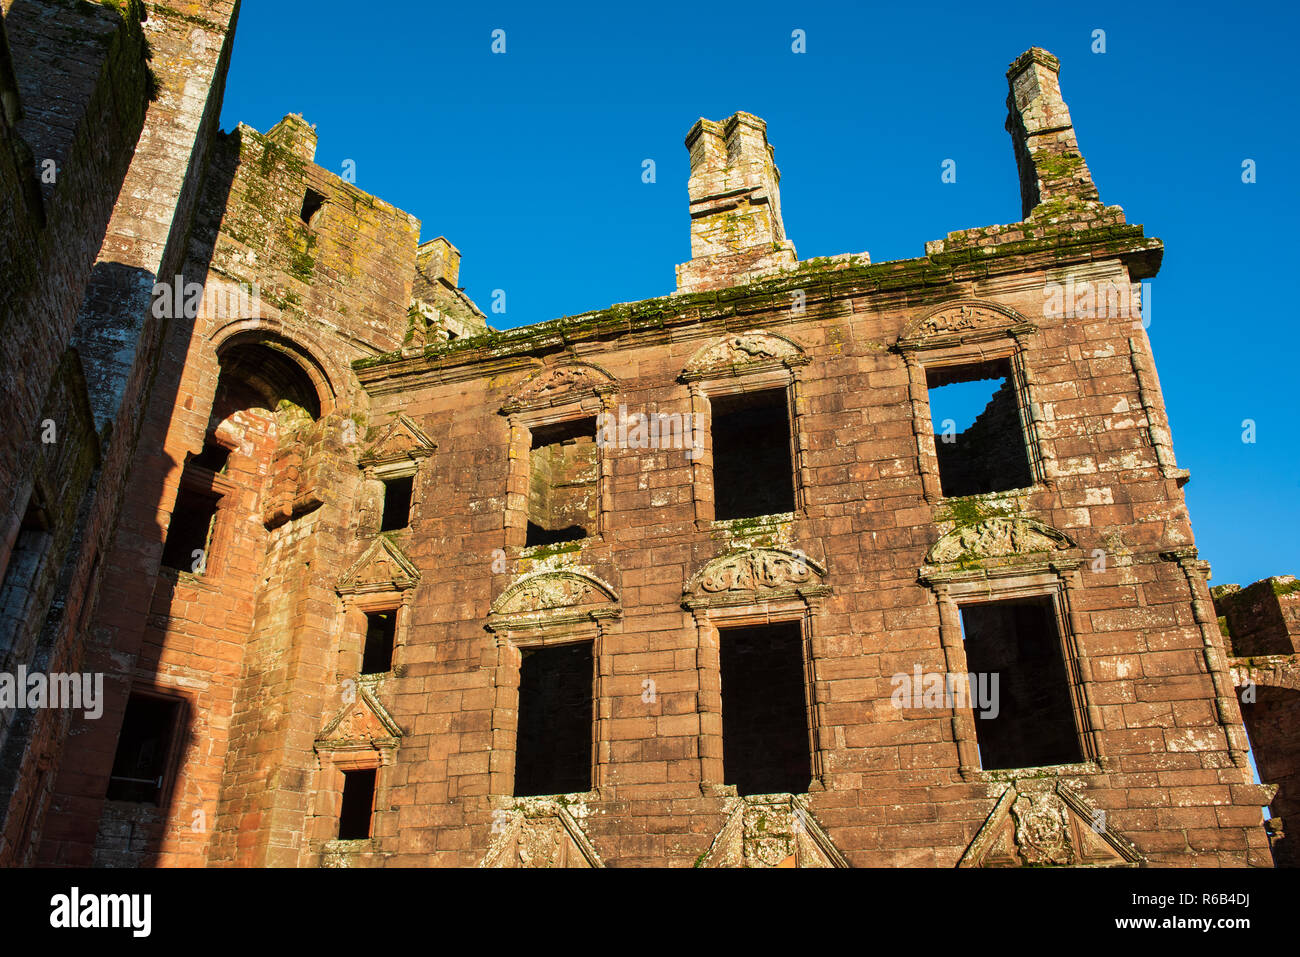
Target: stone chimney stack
x: 296, y: 135
x: 736, y: 230
x: 1047, y: 154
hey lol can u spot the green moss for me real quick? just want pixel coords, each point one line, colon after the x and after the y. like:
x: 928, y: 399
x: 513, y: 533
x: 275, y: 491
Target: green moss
x: 1281, y: 588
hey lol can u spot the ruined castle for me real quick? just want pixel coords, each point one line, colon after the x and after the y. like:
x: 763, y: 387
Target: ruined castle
x: 693, y: 581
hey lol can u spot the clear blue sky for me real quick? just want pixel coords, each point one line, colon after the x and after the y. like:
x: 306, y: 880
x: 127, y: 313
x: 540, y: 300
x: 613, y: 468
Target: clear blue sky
x: 530, y: 162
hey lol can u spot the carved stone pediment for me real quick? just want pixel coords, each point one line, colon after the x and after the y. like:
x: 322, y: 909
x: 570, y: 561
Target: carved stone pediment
x: 381, y: 567
x: 553, y: 596
x: 755, y: 574
x: 772, y: 831
x: 1034, y: 824
x: 539, y: 834
x: 363, y: 723
x: 965, y: 320
x: 403, y: 440
x: 999, y: 537
x: 743, y: 351
x: 560, y: 385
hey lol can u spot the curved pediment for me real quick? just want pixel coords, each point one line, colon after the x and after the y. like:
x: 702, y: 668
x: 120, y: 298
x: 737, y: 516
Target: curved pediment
x: 965, y: 320
x: 551, y: 591
x: 559, y: 385
x: 999, y: 537
x: 744, y: 351
x: 756, y: 574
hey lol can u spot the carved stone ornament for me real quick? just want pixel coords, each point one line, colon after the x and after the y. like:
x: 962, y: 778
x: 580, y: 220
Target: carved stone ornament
x: 538, y: 833
x: 362, y: 723
x: 558, y: 385
x: 402, y: 440
x: 381, y: 567
x: 963, y: 319
x: 744, y: 349
x: 772, y: 831
x: 755, y: 569
x: 1037, y: 824
x: 996, y: 538
x: 550, y: 590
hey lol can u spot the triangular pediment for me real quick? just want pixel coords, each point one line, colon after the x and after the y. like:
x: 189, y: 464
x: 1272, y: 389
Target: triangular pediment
x: 772, y: 831
x: 1039, y: 825
x: 538, y: 834
x: 361, y: 723
x: 381, y: 567
x: 402, y: 441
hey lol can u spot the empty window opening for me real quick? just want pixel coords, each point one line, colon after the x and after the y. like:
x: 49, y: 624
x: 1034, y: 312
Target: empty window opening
x: 358, y: 805
x: 381, y: 633
x: 977, y: 432
x: 143, y: 747
x: 24, y: 565
x: 189, y: 534
x: 213, y: 457
x: 752, y: 467
x: 312, y: 202
x: 563, y: 481
x: 554, y: 736
x: 765, y: 744
x: 397, y: 503
x: 1031, y: 721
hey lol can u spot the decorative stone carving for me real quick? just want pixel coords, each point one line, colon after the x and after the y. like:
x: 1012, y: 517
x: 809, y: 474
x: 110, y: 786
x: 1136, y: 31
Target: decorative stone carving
x: 996, y: 538
x: 558, y: 385
x: 1036, y: 824
x: 364, y: 723
x: 381, y: 567
x: 401, y: 441
x: 544, y: 591
x: 755, y: 348
x: 754, y: 572
x: 772, y: 831
x: 539, y: 834
x: 968, y: 318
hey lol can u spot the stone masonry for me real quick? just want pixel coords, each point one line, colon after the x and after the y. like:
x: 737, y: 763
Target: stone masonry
x: 692, y: 581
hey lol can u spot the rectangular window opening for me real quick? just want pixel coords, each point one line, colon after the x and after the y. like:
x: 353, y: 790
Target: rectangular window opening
x: 358, y: 805
x: 554, y: 735
x: 765, y: 745
x: 381, y: 635
x: 563, y: 482
x: 977, y: 432
x: 189, y: 533
x: 214, y: 457
x: 753, y: 472
x: 143, y: 747
x: 397, y: 503
x: 312, y: 201
x: 1029, y: 721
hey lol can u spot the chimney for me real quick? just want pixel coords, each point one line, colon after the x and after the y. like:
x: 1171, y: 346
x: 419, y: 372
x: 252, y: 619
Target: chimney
x: 438, y: 259
x: 296, y: 135
x: 1047, y: 153
x: 736, y: 230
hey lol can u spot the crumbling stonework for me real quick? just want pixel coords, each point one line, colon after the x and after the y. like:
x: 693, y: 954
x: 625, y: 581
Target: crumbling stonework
x: 252, y: 524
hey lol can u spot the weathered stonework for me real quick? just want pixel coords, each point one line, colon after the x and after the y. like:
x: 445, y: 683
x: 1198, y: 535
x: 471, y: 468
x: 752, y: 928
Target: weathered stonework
x: 360, y: 366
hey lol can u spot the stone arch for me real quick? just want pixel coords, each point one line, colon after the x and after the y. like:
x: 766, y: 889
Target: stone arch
x: 278, y: 365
